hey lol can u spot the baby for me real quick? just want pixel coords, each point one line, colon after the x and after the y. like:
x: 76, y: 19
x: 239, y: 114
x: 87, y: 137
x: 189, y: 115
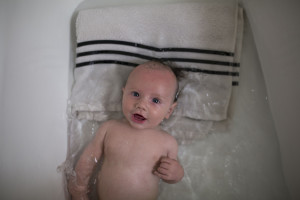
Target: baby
x: 136, y: 153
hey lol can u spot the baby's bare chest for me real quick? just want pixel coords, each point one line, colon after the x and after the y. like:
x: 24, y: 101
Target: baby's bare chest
x: 129, y: 161
x: 133, y: 149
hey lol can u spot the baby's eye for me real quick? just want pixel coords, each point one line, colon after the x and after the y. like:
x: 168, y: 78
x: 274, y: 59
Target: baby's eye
x: 155, y: 100
x: 135, y: 94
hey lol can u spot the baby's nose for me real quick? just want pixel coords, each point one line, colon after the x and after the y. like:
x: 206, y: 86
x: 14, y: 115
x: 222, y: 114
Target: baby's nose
x: 141, y: 104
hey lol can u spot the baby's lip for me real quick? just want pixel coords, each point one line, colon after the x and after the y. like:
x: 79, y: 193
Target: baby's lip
x: 138, y: 118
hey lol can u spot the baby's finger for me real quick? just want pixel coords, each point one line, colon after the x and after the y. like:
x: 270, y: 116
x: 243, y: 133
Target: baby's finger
x: 161, y: 176
x: 164, y: 165
x: 162, y: 170
x: 167, y: 160
x: 156, y: 173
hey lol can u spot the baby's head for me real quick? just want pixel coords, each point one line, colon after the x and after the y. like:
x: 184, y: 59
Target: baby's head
x: 149, y: 95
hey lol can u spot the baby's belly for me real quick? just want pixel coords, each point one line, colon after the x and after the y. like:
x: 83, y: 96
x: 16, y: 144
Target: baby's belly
x: 122, y: 182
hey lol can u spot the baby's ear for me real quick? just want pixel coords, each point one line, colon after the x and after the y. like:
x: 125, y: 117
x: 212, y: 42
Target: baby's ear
x: 171, y: 109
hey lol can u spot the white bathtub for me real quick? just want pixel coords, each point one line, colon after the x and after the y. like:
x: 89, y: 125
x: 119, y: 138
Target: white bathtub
x: 35, y: 80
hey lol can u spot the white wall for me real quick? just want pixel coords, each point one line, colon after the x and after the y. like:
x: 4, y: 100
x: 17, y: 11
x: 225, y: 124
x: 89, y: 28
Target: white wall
x: 34, y: 92
x: 34, y: 64
x: 276, y: 29
x: 2, y: 56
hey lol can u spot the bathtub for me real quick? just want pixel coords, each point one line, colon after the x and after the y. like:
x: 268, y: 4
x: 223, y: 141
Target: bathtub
x: 35, y: 79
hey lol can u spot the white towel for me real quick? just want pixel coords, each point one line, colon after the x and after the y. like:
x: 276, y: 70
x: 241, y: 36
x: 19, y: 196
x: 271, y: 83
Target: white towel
x: 203, y: 38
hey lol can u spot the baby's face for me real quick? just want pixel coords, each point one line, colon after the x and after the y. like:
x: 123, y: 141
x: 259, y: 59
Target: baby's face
x: 148, y: 97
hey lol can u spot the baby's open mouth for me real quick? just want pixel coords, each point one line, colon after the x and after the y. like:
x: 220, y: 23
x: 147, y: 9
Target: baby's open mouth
x: 138, y: 118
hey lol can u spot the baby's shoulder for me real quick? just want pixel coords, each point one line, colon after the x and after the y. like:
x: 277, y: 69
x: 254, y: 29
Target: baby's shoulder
x: 114, y: 125
x: 111, y: 122
x: 168, y: 138
x: 106, y: 126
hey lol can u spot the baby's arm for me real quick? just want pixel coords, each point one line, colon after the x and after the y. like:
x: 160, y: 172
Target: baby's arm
x: 169, y: 168
x: 78, y: 184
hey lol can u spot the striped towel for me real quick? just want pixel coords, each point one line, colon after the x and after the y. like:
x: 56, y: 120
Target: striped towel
x: 201, y: 38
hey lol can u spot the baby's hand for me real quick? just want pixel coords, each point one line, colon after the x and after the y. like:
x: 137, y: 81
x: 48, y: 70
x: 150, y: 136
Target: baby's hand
x: 169, y: 170
x: 77, y: 192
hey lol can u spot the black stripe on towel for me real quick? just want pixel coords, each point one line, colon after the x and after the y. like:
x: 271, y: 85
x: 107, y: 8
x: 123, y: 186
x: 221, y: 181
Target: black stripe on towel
x: 225, y: 73
x: 167, y: 49
x: 151, y: 48
x: 235, y: 83
x: 106, y: 62
x: 212, y: 62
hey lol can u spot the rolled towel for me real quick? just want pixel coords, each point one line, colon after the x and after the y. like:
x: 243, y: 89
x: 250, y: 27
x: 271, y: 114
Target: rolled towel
x: 202, y: 38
